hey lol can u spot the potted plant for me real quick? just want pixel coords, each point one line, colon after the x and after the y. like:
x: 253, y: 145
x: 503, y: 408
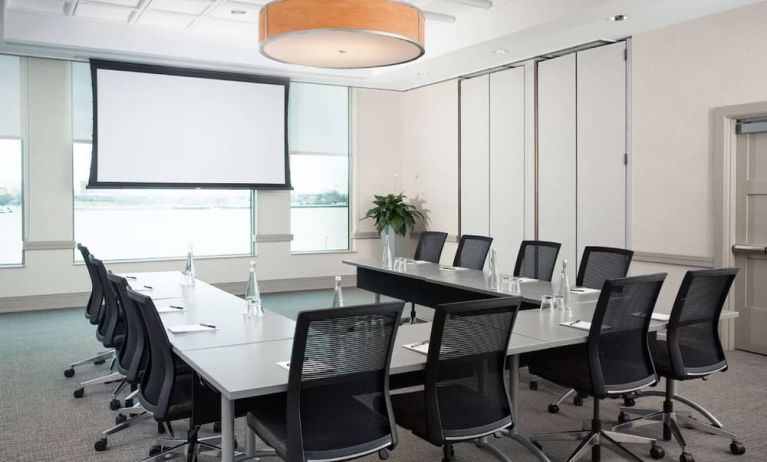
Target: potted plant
x: 392, y: 216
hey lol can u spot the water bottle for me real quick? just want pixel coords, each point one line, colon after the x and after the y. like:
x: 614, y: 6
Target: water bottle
x: 189, y: 273
x: 253, y: 295
x: 493, y: 275
x: 338, y: 296
x: 564, y: 286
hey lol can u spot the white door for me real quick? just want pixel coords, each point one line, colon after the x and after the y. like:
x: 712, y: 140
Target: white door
x: 475, y: 156
x: 751, y: 237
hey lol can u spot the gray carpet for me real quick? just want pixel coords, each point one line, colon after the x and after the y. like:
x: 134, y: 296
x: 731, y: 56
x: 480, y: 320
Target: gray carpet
x: 41, y: 421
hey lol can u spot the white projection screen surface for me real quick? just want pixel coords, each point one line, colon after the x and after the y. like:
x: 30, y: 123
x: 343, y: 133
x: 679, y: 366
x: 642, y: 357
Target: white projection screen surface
x: 163, y: 127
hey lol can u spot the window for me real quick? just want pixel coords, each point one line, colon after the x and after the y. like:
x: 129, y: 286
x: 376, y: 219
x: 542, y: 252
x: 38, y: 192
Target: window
x: 11, y: 210
x: 131, y: 224
x: 319, y: 161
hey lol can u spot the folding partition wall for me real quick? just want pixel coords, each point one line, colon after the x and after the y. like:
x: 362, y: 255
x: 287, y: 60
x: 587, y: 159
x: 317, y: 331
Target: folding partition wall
x: 581, y: 166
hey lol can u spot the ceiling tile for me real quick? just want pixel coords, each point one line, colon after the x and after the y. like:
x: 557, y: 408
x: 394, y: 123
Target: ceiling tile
x: 237, y: 11
x: 195, y: 7
x: 103, y: 12
x: 130, y: 3
x: 38, y: 6
x: 165, y: 20
x: 223, y: 26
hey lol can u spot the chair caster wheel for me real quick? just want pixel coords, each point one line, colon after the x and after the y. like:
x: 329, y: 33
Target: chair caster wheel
x: 115, y: 404
x: 383, y: 454
x: 120, y: 419
x: 101, y: 445
x: 537, y: 444
x: 217, y: 427
x: 69, y: 373
x: 553, y: 408
x: 578, y: 401
x: 154, y: 450
x: 657, y: 452
x: 99, y: 362
x: 533, y: 385
x: 160, y: 428
x: 79, y: 393
x: 623, y: 418
x: 686, y: 457
x: 737, y: 448
x: 629, y: 402
x: 128, y: 402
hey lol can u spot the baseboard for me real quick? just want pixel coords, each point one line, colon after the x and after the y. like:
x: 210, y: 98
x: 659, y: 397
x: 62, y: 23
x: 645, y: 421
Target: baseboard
x: 79, y: 299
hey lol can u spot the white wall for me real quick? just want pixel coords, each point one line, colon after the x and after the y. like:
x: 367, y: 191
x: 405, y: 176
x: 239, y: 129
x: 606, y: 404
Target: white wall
x: 50, y: 278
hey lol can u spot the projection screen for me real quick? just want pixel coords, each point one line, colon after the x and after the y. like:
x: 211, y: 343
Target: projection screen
x: 161, y: 127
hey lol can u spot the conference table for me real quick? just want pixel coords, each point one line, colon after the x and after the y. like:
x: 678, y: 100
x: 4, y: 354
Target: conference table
x: 239, y: 358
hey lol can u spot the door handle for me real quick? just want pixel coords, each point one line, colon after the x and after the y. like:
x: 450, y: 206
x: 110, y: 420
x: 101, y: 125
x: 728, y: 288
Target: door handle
x: 749, y: 249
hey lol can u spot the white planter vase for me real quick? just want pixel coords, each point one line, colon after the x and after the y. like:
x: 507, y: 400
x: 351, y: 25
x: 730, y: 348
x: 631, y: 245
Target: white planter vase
x: 387, y: 247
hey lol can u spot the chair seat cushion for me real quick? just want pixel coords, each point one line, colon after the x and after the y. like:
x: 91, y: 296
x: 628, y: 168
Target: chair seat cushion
x: 180, y: 406
x: 706, y: 363
x: 463, y: 412
x: 567, y: 366
x: 330, y: 425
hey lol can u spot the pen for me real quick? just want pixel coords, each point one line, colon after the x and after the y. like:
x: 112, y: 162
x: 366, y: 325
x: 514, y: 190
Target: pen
x: 148, y: 287
x: 131, y: 277
x: 208, y: 325
x: 425, y: 342
x: 577, y: 290
x: 572, y: 323
x: 176, y: 307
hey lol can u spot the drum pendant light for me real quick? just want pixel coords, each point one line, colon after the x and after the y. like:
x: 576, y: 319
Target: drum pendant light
x: 341, y: 34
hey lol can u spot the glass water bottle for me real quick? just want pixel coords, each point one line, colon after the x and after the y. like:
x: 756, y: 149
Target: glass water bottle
x: 493, y: 275
x: 338, y: 296
x: 564, y: 286
x: 189, y: 273
x: 253, y: 295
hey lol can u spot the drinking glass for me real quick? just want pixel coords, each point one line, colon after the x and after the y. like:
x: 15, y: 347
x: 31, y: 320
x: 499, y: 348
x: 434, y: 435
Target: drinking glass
x: 505, y: 284
x: 547, y: 303
x: 515, y: 288
x: 559, y: 303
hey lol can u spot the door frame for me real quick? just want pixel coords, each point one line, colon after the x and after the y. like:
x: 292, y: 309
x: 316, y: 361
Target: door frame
x: 723, y: 156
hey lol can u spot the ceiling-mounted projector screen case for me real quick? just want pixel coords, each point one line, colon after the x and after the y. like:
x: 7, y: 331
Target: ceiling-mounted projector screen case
x: 167, y: 127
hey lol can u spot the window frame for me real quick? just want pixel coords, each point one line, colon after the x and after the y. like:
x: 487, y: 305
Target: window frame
x: 350, y: 179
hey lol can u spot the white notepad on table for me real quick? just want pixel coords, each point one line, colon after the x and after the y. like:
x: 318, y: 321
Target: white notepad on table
x: 583, y: 325
x: 423, y: 347
x: 188, y: 328
x: 661, y: 316
x: 584, y: 290
x: 310, y: 366
x: 168, y: 309
x: 451, y: 268
x: 416, y: 262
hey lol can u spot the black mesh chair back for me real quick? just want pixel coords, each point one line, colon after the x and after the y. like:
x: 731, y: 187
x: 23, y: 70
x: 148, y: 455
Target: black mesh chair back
x: 472, y: 251
x: 693, y: 331
x: 465, y: 392
x: 130, y: 359
x: 112, y: 321
x: 159, y: 376
x: 619, y: 354
x: 602, y: 263
x: 537, y: 259
x: 338, y: 403
x: 93, y: 308
x: 430, y: 246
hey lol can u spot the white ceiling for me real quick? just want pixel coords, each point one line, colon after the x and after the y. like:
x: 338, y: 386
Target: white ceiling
x: 223, y: 34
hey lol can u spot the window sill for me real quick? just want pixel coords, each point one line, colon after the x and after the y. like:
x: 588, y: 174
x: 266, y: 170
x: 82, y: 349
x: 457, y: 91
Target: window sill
x: 13, y: 266
x: 172, y: 259
x: 324, y: 252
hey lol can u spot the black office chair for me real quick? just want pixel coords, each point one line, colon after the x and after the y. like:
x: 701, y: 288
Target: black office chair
x: 465, y: 396
x: 92, y: 312
x: 692, y: 350
x: 472, y: 251
x: 110, y: 332
x: 168, y: 390
x: 337, y: 406
x: 598, y: 265
x: 615, y: 360
x: 131, y: 361
x: 429, y: 248
x: 537, y: 259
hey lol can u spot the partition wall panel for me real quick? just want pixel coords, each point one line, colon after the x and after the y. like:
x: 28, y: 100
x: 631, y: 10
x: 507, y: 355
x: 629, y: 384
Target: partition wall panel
x: 557, y: 158
x: 601, y: 87
x: 475, y: 159
x: 507, y: 164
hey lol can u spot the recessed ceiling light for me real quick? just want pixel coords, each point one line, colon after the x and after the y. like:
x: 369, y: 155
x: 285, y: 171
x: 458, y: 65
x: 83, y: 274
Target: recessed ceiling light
x: 501, y: 51
x: 237, y: 12
x: 618, y: 17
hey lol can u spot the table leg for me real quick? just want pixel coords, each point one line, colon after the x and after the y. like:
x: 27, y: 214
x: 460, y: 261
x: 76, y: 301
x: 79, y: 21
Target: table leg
x: 514, y: 393
x: 378, y: 298
x: 250, y: 441
x: 227, y: 429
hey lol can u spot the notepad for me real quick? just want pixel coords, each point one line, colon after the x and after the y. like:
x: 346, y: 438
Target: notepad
x: 584, y: 290
x: 582, y: 325
x: 168, y: 309
x: 423, y: 347
x: 451, y: 268
x: 310, y: 366
x: 416, y: 262
x: 190, y: 328
x: 660, y: 316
